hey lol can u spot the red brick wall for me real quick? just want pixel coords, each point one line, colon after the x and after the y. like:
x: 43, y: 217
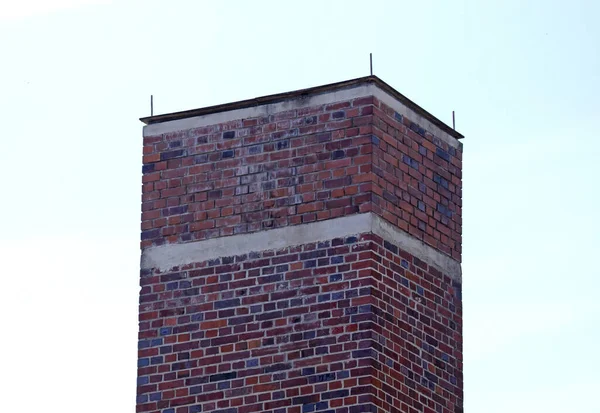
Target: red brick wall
x: 301, y: 166
x: 339, y: 326
x: 345, y: 325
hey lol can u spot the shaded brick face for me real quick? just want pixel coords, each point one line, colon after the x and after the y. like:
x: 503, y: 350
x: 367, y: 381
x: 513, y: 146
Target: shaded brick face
x: 345, y: 325
x: 417, y: 334
x: 300, y: 166
x: 417, y: 181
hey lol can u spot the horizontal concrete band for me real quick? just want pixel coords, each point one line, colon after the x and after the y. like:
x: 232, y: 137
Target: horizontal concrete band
x: 354, y: 92
x: 165, y: 257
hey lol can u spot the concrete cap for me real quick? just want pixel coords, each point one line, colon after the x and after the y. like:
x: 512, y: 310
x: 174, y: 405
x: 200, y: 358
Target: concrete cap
x: 281, y: 97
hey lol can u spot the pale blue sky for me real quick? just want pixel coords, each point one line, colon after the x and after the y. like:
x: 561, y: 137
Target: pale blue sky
x: 524, y: 80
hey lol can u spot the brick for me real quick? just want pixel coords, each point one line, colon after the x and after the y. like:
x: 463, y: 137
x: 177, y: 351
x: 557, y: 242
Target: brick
x: 341, y: 325
x: 172, y: 154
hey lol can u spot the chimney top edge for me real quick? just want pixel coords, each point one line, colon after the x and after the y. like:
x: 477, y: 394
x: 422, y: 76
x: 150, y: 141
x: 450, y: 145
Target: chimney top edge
x: 317, y: 90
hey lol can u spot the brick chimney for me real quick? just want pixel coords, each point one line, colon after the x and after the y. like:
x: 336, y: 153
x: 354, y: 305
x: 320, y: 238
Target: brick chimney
x: 301, y: 253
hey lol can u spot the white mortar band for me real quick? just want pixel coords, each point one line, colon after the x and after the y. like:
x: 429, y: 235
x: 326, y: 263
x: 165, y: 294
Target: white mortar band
x: 354, y: 92
x: 165, y: 257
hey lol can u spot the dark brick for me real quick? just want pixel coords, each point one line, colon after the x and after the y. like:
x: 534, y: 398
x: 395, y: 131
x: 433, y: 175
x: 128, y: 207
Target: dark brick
x: 337, y: 394
x: 173, y: 154
x: 338, y: 154
x: 277, y: 367
x: 391, y: 247
x: 234, y: 302
x: 222, y: 376
x: 442, y: 154
x: 150, y: 234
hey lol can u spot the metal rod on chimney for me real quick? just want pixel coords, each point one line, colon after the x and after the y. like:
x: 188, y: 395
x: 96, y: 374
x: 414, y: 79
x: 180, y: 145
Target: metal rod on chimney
x: 371, y: 61
x: 453, y: 121
x: 151, y: 105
